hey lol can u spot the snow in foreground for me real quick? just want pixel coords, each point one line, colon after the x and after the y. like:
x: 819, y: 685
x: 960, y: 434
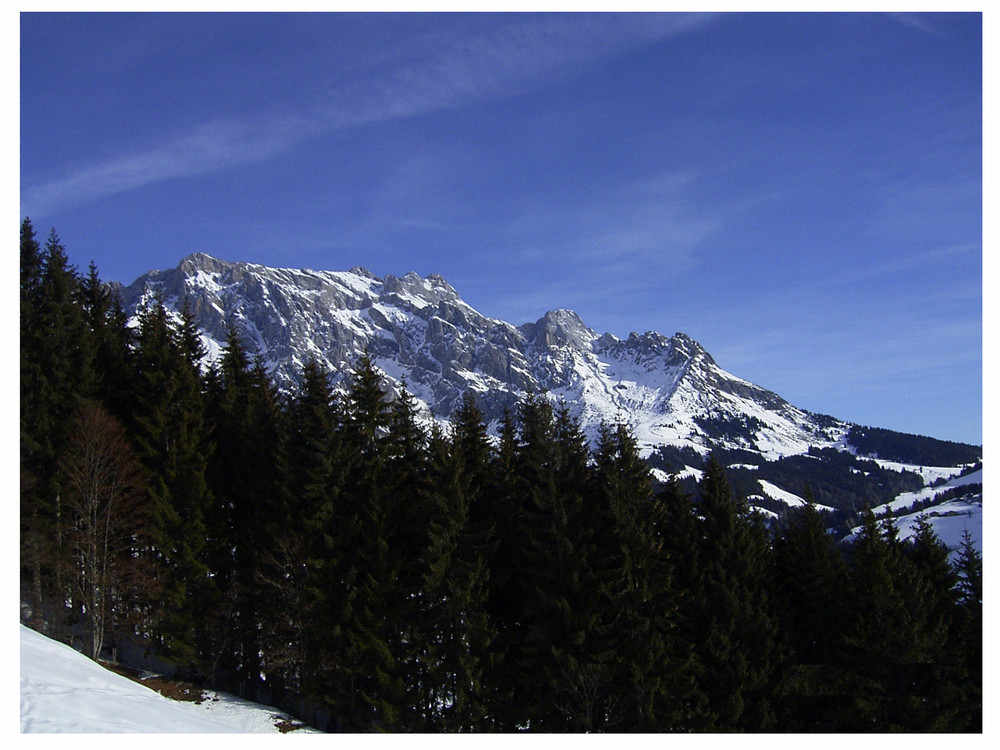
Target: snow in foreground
x: 64, y: 691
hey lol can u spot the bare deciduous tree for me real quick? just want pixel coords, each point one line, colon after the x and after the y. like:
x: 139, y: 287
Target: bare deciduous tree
x: 105, y: 495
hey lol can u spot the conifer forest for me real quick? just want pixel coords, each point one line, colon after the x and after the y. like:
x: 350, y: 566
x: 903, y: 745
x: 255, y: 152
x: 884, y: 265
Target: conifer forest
x: 327, y: 553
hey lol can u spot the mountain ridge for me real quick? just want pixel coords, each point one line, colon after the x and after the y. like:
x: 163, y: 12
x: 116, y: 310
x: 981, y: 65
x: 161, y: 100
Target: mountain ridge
x: 676, y: 400
x: 420, y: 331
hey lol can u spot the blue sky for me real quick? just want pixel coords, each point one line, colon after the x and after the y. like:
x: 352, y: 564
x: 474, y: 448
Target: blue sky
x: 801, y: 193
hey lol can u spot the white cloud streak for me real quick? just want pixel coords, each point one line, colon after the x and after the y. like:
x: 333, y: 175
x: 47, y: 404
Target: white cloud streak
x: 916, y: 21
x: 510, y: 60
x: 212, y: 146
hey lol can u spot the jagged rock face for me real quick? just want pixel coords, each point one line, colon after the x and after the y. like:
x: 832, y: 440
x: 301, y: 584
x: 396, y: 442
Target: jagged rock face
x: 420, y: 332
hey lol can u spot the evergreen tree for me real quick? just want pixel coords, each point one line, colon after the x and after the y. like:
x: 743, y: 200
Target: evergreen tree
x: 560, y: 645
x: 32, y: 267
x: 69, y: 346
x: 930, y: 557
x: 811, y: 590
x: 172, y: 440
x: 429, y: 687
x: 586, y: 664
x: 112, y: 343
x: 317, y: 476
x: 31, y: 380
x: 474, y: 456
x: 406, y: 531
x: 527, y: 635
x: 937, y: 677
x: 247, y: 476
x: 969, y: 568
x: 654, y: 679
x: 452, y: 686
x: 683, y: 543
x: 969, y: 629
x: 475, y: 541
x: 891, y: 638
x: 35, y: 526
x: 736, y: 638
x: 502, y: 508
x: 374, y: 662
x: 56, y: 373
x: 304, y: 572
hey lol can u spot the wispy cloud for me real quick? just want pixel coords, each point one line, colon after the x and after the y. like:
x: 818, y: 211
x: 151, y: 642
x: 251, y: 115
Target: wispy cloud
x: 913, y: 260
x: 510, y: 59
x: 652, y: 219
x: 916, y: 21
x: 212, y: 146
x: 617, y: 248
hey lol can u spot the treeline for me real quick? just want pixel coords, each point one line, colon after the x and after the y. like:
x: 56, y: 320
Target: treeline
x: 911, y: 449
x: 325, y: 553
x: 838, y: 480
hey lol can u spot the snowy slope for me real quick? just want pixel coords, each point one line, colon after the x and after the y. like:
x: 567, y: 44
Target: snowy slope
x: 906, y: 499
x: 63, y: 691
x: 790, y: 499
x: 950, y: 519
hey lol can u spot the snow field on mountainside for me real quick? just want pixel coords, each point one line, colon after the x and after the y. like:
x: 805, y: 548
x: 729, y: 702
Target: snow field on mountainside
x: 950, y: 519
x: 775, y: 492
x: 931, y: 474
x: 906, y: 499
x: 62, y: 691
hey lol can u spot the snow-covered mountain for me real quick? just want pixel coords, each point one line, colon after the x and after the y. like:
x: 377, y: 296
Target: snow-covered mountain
x: 419, y: 331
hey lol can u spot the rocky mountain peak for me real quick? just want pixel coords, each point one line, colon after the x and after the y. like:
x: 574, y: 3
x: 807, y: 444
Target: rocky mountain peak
x: 202, y: 262
x: 417, y: 290
x: 364, y: 273
x: 688, y: 347
x: 559, y: 328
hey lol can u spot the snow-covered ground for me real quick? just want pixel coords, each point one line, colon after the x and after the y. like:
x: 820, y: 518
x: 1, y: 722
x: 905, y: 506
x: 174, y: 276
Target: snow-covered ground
x: 906, y: 499
x: 775, y: 492
x: 950, y: 519
x: 62, y: 691
x: 930, y: 474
